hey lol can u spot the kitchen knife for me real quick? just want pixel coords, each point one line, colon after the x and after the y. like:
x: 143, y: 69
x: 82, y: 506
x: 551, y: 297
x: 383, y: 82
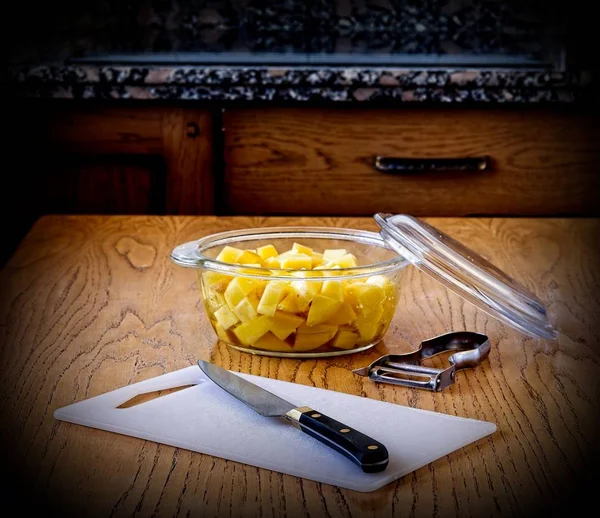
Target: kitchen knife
x: 369, y: 454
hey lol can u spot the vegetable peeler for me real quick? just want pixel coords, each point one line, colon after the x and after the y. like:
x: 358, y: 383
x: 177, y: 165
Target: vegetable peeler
x: 406, y: 369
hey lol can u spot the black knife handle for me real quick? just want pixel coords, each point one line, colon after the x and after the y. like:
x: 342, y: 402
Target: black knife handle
x: 369, y: 454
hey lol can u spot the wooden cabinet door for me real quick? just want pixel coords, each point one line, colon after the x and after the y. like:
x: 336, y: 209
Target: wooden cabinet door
x: 88, y: 158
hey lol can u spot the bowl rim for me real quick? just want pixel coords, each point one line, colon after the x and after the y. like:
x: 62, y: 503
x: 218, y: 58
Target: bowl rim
x: 191, y: 253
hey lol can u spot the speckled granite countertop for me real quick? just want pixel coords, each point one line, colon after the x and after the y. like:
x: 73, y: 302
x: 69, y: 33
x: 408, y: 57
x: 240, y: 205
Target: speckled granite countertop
x: 323, y: 51
x: 324, y: 83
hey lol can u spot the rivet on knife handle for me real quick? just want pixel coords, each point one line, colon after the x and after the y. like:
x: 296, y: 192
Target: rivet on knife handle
x: 369, y: 454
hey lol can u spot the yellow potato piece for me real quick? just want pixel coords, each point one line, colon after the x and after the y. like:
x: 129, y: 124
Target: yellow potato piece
x: 246, y: 309
x: 249, y: 332
x: 282, y: 332
x: 346, y: 261
x: 216, y: 278
x: 229, y: 254
x: 237, y: 289
x: 269, y: 342
x: 286, y: 254
x: 317, y: 259
x: 213, y: 300
x: 331, y: 265
x: 368, y: 325
x: 310, y: 341
x: 344, y: 315
x: 321, y: 308
x: 289, y: 303
x: 301, y: 249
x: 219, y: 287
x: 286, y: 320
x: 364, y: 296
x: 267, y: 252
x: 252, y: 269
x: 345, y: 339
x: 378, y: 280
x: 284, y: 324
x: 321, y: 328
x: 305, y: 291
x: 333, y: 290
x: 272, y: 262
x: 271, y: 297
x: 249, y: 257
x: 334, y: 253
x: 226, y: 317
x: 307, y: 274
x: 223, y: 334
x: 297, y: 262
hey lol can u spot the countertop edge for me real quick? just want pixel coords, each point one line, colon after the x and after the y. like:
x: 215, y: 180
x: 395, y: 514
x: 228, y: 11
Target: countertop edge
x: 296, y: 83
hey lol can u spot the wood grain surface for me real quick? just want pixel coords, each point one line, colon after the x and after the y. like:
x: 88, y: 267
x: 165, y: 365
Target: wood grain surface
x: 89, y: 304
x: 321, y: 161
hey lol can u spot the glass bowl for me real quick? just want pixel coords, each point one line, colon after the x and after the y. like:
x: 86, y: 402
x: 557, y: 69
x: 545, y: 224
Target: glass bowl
x: 330, y: 292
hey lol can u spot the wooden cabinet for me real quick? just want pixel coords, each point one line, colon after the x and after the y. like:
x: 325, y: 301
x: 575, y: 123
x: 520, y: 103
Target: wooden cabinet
x: 322, y: 161
x: 84, y: 158
x: 144, y: 158
x: 168, y: 152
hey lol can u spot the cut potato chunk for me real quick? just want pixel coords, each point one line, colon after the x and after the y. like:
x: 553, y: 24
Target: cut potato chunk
x: 249, y: 257
x: 297, y: 262
x: 287, y: 320
x: 269, y: 342
x: 301, y: 249
x: 289, y: 304
x: 368, y: 325
x: 345, y: 339
x: 284, y: 324
x: 331, y: 265
x: 334, y: 253
x: 365, y: 296
x: 320, y: 328
x: 346, y: 261
x: 237, y: 289
x: 344, y: 315
x: 317, y: 259
x: 216, y: 278
x: 226, y: 317
x: 377, y: 280
x: 388, y: 287
x: 246, y: 309
x: 305, y: 291
x: 333, y: 290
x: 223, y: 334
x: 321, y: 309
x: 249, y: 332
x: 310, y: 341
x: 272, y: 262
x: 229, y: 254
x: 266, y: 252
x: 271, y: 297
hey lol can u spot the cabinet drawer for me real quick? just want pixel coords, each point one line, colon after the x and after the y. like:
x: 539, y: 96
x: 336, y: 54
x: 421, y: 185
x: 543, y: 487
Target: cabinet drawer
x: 322, y: 161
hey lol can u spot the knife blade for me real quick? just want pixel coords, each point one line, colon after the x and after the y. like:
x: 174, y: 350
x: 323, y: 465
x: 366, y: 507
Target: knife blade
x: 366, y: 452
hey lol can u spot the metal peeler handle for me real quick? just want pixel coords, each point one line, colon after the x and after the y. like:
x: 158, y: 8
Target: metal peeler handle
x: 406, y: 369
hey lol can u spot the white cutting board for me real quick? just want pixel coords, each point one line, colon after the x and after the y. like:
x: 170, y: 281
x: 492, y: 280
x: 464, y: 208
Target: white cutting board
x: 206, y: 419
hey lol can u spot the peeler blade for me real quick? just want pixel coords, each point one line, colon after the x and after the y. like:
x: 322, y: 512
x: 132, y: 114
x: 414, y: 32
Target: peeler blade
x: 470, y: 349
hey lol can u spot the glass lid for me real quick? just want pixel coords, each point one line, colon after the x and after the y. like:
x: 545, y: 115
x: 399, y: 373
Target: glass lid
x: 466, y: 273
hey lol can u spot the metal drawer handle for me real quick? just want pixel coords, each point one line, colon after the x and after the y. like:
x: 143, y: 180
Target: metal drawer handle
x: 388, y: 164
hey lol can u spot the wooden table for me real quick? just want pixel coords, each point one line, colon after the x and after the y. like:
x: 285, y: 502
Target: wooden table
x: 89, y: 304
